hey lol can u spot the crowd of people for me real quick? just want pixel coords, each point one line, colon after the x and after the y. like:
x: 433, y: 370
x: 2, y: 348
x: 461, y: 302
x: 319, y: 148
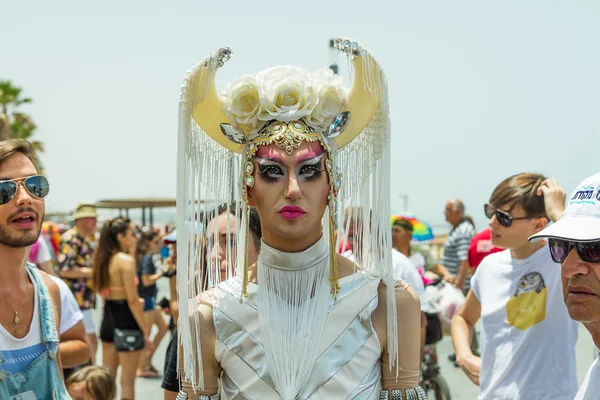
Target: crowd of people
x: 293, y: 288
x: 517, y: 290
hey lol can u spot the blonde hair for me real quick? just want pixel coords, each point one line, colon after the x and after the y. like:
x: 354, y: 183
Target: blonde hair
x: 98, y: 382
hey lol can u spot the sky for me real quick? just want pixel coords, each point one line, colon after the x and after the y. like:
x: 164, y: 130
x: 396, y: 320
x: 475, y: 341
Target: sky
x: 479, y: 90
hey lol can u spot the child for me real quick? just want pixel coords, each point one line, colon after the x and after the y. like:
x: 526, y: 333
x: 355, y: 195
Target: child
x: 92, y: 383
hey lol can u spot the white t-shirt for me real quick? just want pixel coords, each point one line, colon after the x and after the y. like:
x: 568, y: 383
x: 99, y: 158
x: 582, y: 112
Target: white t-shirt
x: 404, y: 269
x: 418, y: 261
x: 20, y: 353
x: 70, y: 314
x: 590, y: 388
x: 43, y: 253
x: 527, y: 338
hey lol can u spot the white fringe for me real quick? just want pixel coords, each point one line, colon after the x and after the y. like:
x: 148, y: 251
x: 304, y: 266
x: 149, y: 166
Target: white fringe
x: 293, y: 305
x: 365, y: 196
x: 205, y: 172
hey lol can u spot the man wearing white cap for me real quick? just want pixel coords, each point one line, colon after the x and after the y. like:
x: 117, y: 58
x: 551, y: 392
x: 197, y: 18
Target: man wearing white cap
x: 579, y: 229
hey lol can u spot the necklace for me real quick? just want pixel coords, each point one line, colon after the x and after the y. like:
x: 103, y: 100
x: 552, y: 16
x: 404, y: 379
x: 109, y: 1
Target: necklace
x: 16, y: 316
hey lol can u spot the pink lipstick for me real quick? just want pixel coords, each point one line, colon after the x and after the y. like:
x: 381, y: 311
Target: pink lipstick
x: 291, y: 212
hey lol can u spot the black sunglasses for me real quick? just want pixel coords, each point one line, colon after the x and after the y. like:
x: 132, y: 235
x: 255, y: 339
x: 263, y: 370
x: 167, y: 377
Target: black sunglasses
x: 587, y: 251
x: 503, y: 217
x: 36, y: 185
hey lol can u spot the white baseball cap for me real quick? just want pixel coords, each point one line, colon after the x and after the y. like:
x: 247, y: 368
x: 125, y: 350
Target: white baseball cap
x: 171, y: 237
x: 581, y: 220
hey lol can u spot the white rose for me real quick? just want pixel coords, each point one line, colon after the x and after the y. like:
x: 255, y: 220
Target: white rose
x: 332, y: 98
x: 285, y: 93
x: 241, y: 103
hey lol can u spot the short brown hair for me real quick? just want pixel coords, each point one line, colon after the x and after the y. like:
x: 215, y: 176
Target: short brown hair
x: 12, y: 146
x: 98, y: 382
x: 403, y: 223
x: 521, y: 190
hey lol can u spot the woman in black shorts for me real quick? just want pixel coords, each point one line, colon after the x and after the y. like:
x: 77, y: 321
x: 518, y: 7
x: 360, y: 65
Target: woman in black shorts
x: 115, y: 278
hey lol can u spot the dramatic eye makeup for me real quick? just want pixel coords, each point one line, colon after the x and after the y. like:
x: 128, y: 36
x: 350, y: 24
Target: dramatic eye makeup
x: 311, y: 171
x: 308, y: 170
x: 270, y: 173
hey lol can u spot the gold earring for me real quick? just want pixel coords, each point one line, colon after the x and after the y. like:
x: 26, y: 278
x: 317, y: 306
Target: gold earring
x: 333, y: 270
x: 245, y: 277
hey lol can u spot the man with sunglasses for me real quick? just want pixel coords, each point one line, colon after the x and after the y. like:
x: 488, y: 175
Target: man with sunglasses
x: 527, y: 338
x: 30, y: 302
x: 579, y: 230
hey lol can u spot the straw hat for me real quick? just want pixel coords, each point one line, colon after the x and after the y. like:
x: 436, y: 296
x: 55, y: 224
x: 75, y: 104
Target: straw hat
x: 85, y: 210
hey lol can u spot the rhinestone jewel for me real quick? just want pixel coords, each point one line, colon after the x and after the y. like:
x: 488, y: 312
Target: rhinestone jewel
x: 250, y: 181
x: 249, y: 167
x: 348, y: 46
x: 288, y: 148
x: 223, y: 56
x: 338, y: 125
x: 298, y: 125
x: 277, y: 128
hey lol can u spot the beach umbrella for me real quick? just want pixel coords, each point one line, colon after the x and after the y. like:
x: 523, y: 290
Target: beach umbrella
x: 421, y: 230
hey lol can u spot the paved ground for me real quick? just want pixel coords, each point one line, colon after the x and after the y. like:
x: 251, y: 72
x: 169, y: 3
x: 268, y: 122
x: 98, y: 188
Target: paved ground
x: 460, y: 386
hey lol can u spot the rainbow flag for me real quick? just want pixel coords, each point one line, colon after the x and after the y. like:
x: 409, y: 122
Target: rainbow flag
x: 421, y: 230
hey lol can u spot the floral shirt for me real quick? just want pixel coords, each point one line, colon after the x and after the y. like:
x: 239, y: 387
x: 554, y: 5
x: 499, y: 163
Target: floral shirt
x: 76, y: 251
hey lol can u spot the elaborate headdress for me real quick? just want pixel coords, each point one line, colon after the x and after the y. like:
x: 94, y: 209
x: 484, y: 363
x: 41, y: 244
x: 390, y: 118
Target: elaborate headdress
x: 219, y: 136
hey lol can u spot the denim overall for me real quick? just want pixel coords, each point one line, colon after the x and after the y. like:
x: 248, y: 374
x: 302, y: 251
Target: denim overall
x: 42, y: 376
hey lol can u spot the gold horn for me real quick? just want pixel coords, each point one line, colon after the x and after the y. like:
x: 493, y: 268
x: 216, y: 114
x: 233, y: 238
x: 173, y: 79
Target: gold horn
x: 367, y: 89
x: 208, y: 112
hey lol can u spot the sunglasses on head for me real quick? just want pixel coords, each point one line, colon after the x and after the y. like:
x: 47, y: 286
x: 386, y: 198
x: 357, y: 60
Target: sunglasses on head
x: 503, y: 217
x: 36, y: 185
x: 587, y: 251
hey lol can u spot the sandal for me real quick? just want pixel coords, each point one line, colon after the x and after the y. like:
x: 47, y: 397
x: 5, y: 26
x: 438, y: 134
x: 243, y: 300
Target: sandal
x: 148, y: 372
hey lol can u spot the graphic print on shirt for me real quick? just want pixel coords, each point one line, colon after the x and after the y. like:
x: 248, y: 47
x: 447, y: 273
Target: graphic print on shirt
x: 528, y: 306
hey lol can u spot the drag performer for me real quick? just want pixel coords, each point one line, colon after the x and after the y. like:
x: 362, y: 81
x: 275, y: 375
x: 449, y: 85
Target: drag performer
x: 303, y: 322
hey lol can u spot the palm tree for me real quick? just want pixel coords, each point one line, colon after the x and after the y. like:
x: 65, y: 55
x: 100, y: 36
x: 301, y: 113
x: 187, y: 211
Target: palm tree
x: 15, y: 124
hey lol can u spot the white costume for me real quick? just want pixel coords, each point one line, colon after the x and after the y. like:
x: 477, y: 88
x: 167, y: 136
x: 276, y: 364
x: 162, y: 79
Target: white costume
x: 301, y: 332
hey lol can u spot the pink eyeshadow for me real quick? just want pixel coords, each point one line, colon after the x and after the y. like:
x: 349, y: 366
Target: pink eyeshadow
x: 269, y: 153
x: 273, y: 153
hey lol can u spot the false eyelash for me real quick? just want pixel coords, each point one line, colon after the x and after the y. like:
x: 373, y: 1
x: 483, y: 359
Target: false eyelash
x: 316, y: 169
x: 263, y: 173
x: 317, y: 173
